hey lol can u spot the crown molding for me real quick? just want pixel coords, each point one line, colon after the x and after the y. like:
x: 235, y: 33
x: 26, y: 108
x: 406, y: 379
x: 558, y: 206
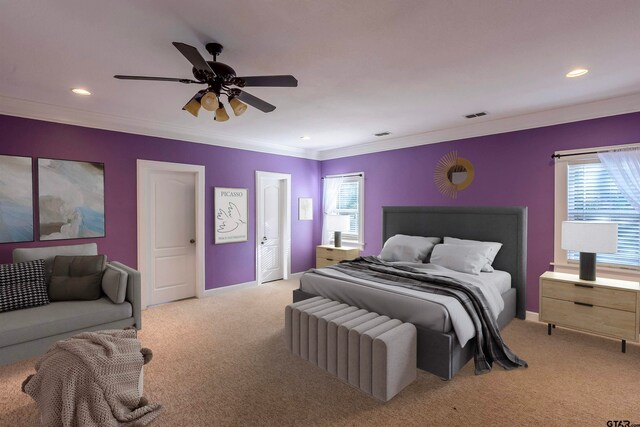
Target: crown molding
x: 574, y: 113
x: 52, y: 113
x: 57, y: 114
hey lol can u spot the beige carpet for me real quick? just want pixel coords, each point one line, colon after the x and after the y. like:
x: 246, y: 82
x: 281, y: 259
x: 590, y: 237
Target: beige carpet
x: 221, y: 361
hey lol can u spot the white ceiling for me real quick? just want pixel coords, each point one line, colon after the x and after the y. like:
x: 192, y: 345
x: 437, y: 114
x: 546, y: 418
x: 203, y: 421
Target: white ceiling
x: 413, y: 68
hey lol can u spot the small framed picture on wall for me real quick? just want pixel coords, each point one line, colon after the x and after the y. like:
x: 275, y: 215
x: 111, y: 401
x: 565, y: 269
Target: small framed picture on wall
x: 305, y: 209
x: 230, y: 215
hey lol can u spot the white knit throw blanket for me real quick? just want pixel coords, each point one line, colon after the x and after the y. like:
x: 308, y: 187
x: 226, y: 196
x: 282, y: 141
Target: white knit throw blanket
x: 91, y: 379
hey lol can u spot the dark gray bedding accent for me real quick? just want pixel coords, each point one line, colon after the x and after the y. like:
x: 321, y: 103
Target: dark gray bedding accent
x: 489, y: 346
x: 507, y: 225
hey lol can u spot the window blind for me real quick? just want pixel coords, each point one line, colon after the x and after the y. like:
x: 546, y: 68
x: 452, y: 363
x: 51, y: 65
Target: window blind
x: 592, y: 195
x: 348, y: 204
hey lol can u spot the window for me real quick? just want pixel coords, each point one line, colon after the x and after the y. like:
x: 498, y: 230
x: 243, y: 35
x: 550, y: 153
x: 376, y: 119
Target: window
x: 344, y: 195
x: 586, y: 192
x: 592, y: 195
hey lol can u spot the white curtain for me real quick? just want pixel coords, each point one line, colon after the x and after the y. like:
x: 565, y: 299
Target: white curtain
x: 624, y: 167
x: 329, y: 204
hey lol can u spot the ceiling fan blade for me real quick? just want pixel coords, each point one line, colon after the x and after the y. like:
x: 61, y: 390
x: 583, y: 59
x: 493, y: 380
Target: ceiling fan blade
x: 193, y: 56
x: 273, y: 81
x: 159, y: 79
x: 255, y: 102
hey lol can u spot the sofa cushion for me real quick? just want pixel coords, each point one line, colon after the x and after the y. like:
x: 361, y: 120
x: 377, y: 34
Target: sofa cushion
x: 49, y: 253
x: 77, y: 278
x: 114, y: 283
x: 22, y: 285
x: 58, y: 317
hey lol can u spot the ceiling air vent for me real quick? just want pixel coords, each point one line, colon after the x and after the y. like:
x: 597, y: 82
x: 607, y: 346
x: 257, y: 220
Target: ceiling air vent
x: 385, y: 133
x: 473, y: 116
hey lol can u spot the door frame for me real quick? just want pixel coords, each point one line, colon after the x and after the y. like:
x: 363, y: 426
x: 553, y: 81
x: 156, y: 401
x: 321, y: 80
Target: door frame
x: 285, y: 206
x: 145, y: 252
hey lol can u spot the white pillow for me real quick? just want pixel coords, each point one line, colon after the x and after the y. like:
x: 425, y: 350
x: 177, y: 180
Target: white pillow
x: 408, y: 248
x: 494, y: 247
x: 463, y: 258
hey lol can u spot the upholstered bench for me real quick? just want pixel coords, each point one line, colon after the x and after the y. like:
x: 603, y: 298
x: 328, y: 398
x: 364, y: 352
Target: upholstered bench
x: 372, y: 352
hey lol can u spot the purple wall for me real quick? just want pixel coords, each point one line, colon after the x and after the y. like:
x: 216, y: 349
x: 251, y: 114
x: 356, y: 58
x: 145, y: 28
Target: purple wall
x: 511, y: 169
x: 226, y: 264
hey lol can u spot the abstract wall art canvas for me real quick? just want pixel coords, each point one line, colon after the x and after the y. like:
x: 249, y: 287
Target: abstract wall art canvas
x: 16, y: 199
x: 70, y: 199
x: 230, y: 215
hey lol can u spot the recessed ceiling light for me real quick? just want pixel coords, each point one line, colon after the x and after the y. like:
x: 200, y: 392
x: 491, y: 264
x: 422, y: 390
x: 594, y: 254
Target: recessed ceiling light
x: 305, y: 138
x: 80, y: 91
x: 577, y: 72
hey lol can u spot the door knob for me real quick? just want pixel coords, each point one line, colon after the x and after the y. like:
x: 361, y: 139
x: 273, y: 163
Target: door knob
x: 192, y: 241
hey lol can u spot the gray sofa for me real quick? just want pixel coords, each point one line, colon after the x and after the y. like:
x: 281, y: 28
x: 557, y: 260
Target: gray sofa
x: 31, y: 331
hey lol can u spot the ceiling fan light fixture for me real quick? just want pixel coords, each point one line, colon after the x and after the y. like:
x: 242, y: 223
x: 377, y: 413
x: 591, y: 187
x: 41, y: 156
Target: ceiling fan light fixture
x: 237, y: 106
x: 193, y: 107
x: 209, y: 101
x: 221, y: 114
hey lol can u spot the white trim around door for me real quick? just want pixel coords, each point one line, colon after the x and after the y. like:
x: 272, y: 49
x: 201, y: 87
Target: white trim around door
x: 144, y: 170
x: 286, y: 208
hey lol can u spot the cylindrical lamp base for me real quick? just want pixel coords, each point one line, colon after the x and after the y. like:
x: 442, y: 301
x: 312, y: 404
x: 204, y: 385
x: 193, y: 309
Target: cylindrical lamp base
x: 587, y: 266
x: 337, y: 238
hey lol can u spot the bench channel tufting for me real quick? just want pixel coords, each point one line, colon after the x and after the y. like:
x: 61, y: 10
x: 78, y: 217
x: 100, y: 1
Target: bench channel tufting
x: 371, y: 352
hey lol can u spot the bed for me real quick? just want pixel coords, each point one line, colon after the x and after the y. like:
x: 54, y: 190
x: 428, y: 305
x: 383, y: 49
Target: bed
x: 439, y: 349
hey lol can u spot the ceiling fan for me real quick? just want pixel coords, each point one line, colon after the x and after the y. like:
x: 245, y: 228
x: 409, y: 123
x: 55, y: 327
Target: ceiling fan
x: 219, y: 78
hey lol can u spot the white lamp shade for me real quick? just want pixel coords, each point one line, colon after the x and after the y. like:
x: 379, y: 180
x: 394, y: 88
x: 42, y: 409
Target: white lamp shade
x: 337, y: 222
x: 590, y: 236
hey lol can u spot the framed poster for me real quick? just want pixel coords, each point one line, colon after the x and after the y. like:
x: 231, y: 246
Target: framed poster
x: 16, y: 199
x: 70, y: 199
x: 305, y: 209
x: 230, y: 220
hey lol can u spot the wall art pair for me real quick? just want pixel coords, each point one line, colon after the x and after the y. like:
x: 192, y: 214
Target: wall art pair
x: 70, y: 199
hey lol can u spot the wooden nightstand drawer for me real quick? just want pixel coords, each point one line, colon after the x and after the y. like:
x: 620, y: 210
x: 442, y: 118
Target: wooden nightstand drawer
x: 328, y: 255
x: 336, y: 254
x: 598, y: 296
x: 323, y: 262
x: 605, y: 321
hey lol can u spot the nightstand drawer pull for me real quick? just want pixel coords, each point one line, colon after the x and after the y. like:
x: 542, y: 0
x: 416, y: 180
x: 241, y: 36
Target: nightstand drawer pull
x: 583, y: 303
x: 329, y: 259
x: 583, y: 286
x: 328, y: 249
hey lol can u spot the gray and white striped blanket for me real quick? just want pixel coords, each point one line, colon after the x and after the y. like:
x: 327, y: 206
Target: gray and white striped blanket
x: 490, y: 347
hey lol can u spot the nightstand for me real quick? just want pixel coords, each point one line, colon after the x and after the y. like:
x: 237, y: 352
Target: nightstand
x: 606, y: 307
x: 328, y: 255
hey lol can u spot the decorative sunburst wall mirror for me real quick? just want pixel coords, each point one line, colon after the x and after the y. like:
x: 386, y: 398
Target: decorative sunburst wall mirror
x: 453, y: 174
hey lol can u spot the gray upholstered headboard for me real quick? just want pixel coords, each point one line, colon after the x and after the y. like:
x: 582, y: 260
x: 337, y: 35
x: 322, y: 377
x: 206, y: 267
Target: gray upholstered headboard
x: 507, y: 225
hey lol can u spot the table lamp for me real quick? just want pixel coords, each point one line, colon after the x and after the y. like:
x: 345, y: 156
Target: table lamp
x: 589, y: 238
x: 337, y: 224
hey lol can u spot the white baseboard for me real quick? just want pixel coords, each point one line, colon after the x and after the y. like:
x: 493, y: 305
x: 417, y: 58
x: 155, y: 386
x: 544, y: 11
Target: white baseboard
x: 532, y: 316
x: 216, y: 291
x: 253, y: 283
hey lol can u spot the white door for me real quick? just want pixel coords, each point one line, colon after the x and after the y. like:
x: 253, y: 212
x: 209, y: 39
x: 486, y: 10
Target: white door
x: 270, y: 252
x: 172, y: 236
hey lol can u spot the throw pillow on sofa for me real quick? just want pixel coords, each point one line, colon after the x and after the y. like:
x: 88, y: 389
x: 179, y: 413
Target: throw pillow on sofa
x: 77, y: 278
x: 114, y: 284
x: 22, y: 285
